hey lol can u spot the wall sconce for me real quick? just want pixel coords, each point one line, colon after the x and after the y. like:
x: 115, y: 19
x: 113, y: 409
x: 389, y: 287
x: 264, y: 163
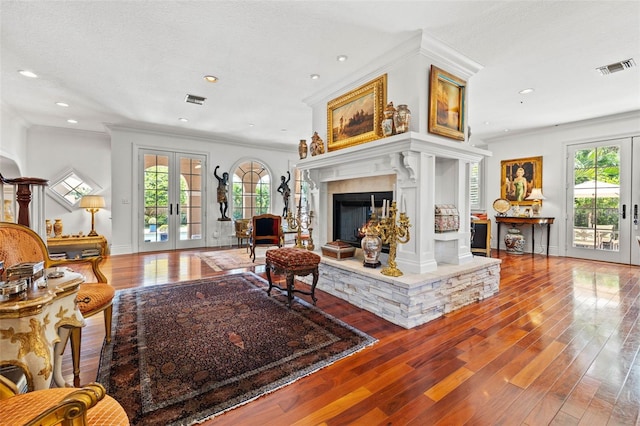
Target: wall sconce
x: 92, y: 203
x: 537, y: 197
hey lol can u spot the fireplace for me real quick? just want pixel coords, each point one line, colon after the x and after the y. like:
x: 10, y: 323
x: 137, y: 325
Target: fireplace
x: 351, y: 211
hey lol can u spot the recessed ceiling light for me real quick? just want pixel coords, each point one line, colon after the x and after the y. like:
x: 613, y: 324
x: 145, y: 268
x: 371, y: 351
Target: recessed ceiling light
x: 62, y: 104
x: 27, y: 73
x: 506, y: 130
x: 211, y: 78
x: 486, y: 122
x: 342, y: 58
x: 314, y: 76
x: 283, y: 130
x: 251, y: 124
x: 72, y: 121
x: 526, y: 91
x: 184, y: 120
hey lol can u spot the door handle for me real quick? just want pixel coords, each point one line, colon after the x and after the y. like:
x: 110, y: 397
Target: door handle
x: 624, y: 211
x: 170, y: 209
x: 635, y: 214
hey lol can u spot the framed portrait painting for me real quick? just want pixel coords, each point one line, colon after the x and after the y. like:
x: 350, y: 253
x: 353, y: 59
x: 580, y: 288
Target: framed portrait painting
x: 356, y: 117
x: 519, y: 177
x: 446, y: 104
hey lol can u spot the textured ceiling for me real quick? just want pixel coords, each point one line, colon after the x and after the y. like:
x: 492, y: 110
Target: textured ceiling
x: 131, y: 63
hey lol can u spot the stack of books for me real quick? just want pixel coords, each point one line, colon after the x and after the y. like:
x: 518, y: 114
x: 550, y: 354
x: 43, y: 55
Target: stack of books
x: 57, y: 256
x: 90, y: 253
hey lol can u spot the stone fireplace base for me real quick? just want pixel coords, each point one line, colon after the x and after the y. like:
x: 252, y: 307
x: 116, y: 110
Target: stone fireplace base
x: 412, y: 299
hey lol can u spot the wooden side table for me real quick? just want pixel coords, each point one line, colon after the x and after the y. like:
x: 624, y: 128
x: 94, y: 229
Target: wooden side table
x: 34, y: 328
x: 533, y: 221
x: 77, y: 244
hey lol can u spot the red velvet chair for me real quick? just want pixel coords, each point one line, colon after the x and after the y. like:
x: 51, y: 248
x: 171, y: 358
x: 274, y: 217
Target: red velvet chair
x: 266, y: 230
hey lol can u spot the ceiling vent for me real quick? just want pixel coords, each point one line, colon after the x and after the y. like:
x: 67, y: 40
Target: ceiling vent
x: 193, y: 99
x: 618, y: 66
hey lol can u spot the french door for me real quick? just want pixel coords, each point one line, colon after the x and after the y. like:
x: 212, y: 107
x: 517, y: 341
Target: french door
x: 603, y: 196
x: 172, y: 196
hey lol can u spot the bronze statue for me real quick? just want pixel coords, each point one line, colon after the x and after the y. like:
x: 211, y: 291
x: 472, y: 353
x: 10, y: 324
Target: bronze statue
x: 286, y: 192
x: 223, y: 183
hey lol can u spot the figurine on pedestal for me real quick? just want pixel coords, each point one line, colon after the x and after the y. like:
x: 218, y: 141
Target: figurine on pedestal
x: 286, y: 192
x: 223, y: 183
x: 317, y: 145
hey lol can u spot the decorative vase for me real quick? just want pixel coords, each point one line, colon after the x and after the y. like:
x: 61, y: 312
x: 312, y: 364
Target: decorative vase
x: 514, y: 241
x: 371, y: 246
x: 48, y: 227
x: 402, y: 119
x: 388, y: 126
x: 302, y: 149
x: 57, y: 228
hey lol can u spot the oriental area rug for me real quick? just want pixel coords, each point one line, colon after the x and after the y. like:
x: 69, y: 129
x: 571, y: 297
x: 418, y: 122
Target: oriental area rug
x: 184, y: 352
x: 224, y: 260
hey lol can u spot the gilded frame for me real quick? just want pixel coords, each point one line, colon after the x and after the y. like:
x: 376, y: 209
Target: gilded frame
x: 364, y: 106
x: 447, y: 95
x: 532, y: 168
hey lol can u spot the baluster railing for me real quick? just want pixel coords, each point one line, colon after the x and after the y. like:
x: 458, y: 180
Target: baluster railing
x: 27, y: 193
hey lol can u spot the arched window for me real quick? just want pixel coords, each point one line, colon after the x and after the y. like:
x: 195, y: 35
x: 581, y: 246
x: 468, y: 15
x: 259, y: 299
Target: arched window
x: 251, y: 190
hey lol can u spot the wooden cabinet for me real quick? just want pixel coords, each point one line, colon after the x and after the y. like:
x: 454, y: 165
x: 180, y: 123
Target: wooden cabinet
x: 75, y: 246
x: 481, y: 237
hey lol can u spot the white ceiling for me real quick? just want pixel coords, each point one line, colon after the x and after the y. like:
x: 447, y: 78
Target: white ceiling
x: 131, y: 63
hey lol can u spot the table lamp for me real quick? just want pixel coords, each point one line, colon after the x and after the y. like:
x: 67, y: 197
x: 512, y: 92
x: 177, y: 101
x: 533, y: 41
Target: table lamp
x: 537, y: 197
x: 92, y: 203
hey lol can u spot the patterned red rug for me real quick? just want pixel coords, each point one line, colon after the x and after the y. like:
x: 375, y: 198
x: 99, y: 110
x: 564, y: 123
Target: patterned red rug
x: 185, y: 352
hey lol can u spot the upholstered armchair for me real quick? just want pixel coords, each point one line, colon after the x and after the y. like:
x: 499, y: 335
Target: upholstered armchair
x: 266, y: 230
x: 59, y: 406
x: 19, y: 243
x: 242, y: 230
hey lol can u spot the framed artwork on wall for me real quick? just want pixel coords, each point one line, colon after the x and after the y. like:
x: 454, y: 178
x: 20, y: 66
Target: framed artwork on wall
x: 519, y: 177
x: 355, y: 117
x: 446, y: 104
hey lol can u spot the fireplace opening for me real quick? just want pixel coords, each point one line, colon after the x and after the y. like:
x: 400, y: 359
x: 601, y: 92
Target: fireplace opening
x: 352, y: 211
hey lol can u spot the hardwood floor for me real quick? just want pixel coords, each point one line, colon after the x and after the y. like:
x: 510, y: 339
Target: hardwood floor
x: 557, y: 345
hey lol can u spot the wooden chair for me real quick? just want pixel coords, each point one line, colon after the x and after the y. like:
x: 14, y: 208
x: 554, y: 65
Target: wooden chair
x: 60, y: 406
x: 242, y: 230
x: 266, y: 230
x: 19, y: 243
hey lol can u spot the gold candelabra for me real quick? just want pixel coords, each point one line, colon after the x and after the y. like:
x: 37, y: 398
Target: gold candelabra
x: 393, y: 233
x: 296, y: 223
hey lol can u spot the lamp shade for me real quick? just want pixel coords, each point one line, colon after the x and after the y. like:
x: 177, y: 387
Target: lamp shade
x: 92, y: 202
x: 536, y: 194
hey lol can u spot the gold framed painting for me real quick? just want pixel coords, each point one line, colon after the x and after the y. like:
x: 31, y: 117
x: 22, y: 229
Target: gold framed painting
x: 356, y: 117
x: 519, y: 177
x: 446, y: 104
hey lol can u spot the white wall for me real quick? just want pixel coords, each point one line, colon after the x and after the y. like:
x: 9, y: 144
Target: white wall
x: 550, y: 143
x: 13, y: 143
x: 125, y: 144
x: 51, y: 150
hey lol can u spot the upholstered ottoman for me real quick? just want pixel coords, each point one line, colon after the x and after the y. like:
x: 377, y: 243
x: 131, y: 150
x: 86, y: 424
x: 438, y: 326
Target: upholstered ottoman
x: 291, y: 262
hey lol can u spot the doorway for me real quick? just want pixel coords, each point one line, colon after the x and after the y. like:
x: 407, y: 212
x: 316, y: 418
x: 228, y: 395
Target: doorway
x: 603, y: 192
x: 173, y: 194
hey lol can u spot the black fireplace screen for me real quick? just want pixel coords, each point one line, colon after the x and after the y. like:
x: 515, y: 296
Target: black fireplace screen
x: 352, y: 211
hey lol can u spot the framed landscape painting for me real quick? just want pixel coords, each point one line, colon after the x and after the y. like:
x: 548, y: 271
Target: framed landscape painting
x: 519, y: 177
x: 355, y: 117
x: 446, y: 104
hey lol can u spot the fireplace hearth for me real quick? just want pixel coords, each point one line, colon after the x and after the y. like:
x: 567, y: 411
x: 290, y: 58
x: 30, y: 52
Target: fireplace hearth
x: 352, y: 211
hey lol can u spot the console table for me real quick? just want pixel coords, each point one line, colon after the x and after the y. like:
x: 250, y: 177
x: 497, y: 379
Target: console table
x: 34, y: 328
x: 77, y: 244
x: 533, y: 221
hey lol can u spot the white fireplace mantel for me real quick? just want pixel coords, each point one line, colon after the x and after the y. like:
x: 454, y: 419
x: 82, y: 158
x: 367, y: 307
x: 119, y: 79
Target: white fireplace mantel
x: 425, y: 170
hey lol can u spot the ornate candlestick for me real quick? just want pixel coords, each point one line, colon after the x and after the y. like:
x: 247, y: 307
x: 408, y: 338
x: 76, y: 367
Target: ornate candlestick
x: 392, y: 234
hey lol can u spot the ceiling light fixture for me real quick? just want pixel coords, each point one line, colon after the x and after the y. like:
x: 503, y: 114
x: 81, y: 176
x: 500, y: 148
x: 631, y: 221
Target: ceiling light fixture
x: 184, y: 120
x: 27, y: 73
x: 211, y: 78
x: 342, y: 58
x: 72, y: 121
x: 314, y: 76
x: 62, y: 104
x: 526, y: 91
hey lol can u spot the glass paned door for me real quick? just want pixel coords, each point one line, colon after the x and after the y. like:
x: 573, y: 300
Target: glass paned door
x: 598, y: 197
x: 172, y: 200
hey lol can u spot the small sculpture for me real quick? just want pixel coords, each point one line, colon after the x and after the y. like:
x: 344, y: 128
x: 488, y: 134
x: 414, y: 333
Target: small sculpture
x: 286, y: 192
x: 223, y: 183
x: 317, y: 145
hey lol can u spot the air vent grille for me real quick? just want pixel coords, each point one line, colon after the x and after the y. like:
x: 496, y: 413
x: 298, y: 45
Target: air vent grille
x: 193, y: 99
x: 617, y: 66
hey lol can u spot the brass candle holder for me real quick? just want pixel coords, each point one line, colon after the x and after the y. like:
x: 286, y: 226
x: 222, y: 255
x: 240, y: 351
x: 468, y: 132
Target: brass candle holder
x: 295, y: 223
x: 393, y: 233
